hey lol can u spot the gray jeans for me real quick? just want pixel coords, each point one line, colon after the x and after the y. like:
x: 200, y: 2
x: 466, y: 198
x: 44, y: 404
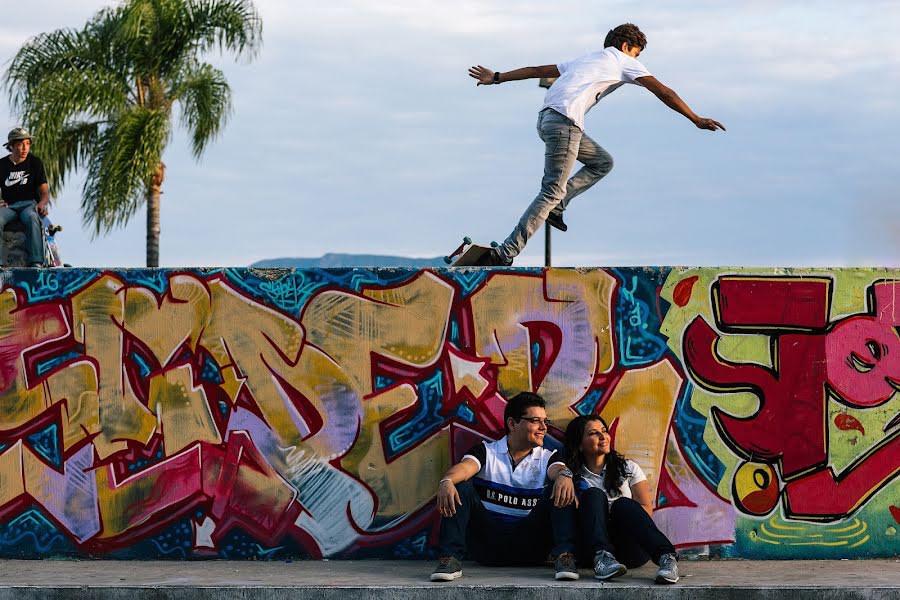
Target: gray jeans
x: 565, y: 143
x: 25, y: 211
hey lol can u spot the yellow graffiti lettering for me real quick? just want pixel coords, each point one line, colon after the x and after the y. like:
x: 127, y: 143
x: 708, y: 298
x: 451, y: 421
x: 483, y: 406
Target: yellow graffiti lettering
x: 253, y: 345
x: 165, y: 325
x: 643, y: 402
x: 21, y: 329
x: 182, y: 410
x: 98, y: 314
x: 408, y: 325
x: 407, y: 482
x: 578, y: 304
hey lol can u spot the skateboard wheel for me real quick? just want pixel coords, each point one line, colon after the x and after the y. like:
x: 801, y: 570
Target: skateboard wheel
x: 494, y: 245
x: 448, y: 260
x: 467, y: 240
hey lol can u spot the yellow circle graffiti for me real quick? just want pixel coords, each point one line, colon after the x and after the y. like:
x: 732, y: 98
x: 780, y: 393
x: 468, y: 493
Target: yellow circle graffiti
x: 756, y: 488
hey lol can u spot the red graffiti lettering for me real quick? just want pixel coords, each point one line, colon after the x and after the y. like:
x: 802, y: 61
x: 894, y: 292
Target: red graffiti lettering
x: 858, y: 359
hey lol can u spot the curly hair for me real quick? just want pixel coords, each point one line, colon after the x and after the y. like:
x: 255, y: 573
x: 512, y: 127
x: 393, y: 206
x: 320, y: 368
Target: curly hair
x: 614, y: 464
x: 627, y: 33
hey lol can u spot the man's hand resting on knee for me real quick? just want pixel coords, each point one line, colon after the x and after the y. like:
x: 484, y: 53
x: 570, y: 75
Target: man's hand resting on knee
x: 563, y: 488
x: 447, y: 498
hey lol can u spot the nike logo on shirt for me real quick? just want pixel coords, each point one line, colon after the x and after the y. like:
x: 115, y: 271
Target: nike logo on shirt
x: 20, y: 177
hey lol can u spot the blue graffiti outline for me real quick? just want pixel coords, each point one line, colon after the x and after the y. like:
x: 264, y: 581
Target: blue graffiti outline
x: 52, y: 284
x: 53, y: 362
x: 291, y: 292
x: 37, y: 522
x: 587, y: 404
x: 636, y: 322
x: 425, y: 421
x: 689, y: 426
x: 46, y: 442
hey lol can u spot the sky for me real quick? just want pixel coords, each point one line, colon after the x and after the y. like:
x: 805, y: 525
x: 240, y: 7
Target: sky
x: 357, y: 129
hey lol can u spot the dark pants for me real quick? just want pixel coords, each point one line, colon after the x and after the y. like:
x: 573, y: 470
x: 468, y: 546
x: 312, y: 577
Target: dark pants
x: 490, y: 541
x: 625, y: 529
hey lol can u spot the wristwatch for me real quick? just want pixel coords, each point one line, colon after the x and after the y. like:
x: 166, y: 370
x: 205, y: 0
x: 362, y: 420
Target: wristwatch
x: 565, y: 473
x: 496, y: 76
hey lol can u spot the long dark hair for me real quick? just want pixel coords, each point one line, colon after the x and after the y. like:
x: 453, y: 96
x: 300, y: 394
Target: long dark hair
x: 614, y: 463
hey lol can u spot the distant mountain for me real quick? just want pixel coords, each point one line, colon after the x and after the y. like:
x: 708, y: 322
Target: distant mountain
x: 335, y: 260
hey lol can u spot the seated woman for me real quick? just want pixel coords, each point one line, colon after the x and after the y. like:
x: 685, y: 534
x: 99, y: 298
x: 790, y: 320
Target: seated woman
x: 614, y: 506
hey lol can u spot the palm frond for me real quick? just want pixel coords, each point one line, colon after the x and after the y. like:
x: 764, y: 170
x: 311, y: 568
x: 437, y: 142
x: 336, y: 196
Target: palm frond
x: 41, y: 56
x: 226, y: 25
x: 205, y: 100
x: 121, y: 167
x: 66, y: 151
x: 162, y: 34
x: 61, y: 96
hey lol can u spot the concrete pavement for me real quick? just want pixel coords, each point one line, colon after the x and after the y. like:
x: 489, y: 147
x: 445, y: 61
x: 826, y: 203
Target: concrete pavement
x: 408, y: 580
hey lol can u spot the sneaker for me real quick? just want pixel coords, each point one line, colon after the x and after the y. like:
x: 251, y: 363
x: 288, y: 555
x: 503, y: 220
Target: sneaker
x: 555, y: 220
x: 668, y: 569
x: 448, y: 569
x: 493, y: 259
x: 606, y: 566
x: 565, y: 567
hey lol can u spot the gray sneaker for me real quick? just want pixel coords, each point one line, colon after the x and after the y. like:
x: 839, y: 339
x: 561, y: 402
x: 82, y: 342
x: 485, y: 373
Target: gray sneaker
x: 566, y: 567
x: 606, y: 566
x: 492, y: 258
x: 448, y: 569
x: 668, y: 569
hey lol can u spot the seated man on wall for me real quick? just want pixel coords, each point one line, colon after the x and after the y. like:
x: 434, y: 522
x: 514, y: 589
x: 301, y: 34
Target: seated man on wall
x: 24, y: 194
x: 498, y: 504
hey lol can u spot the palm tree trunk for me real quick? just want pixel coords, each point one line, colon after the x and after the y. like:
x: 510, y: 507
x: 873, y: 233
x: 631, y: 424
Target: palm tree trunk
x: 154, y: 191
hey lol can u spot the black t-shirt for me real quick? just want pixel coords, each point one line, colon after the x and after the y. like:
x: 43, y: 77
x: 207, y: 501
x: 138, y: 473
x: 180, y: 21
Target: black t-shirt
x: 21, y: 181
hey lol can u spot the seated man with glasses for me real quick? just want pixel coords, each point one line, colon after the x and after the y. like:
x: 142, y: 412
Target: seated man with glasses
x: 509, y: 502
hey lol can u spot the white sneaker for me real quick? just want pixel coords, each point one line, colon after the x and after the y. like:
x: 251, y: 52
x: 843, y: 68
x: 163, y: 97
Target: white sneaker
x: 448, y: 569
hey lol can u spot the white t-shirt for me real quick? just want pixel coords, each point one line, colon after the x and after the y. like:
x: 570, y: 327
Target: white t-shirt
x: 510, y: 493
x: 633, y: 475
x: 584, y: 81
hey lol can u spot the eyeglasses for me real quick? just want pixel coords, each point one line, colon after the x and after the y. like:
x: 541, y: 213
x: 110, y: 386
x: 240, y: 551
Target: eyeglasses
x: 536, y: 421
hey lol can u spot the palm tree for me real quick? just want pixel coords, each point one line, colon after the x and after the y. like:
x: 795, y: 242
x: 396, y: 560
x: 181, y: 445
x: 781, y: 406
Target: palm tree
x: 102, y: 98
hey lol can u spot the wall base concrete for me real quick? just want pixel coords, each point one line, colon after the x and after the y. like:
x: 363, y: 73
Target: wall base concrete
x: 408, y: 580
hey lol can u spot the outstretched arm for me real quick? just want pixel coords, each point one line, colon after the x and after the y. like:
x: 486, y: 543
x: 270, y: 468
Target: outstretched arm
x: 671, y: 99
x: 486, y: 77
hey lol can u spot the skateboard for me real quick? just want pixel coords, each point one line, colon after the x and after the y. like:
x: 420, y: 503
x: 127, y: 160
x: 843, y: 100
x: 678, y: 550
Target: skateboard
x: 51, y: 248
x: 468, y: 253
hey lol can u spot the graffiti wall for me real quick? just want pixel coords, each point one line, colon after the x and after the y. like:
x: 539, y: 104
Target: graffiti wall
x: 246, y: 413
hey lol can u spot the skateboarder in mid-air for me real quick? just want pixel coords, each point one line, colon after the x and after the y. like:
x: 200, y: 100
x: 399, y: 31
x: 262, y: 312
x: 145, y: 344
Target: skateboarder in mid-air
x: 580, y: 85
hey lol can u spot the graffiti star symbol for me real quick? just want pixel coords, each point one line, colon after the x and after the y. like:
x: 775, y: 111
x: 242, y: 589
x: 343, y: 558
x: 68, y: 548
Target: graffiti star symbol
x: 467, y: 380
